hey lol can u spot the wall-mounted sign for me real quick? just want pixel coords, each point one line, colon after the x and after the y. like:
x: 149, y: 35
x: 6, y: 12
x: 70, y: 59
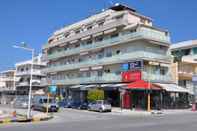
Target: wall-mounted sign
x: 125, y: 67
x: 136, y: 65
x: 52, y: 89
x: 130, y: 76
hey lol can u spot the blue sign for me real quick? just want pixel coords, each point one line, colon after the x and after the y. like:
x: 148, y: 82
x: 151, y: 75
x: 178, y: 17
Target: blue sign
x: 52, y: 89
x: 125, y: 67
x: 136, y: 65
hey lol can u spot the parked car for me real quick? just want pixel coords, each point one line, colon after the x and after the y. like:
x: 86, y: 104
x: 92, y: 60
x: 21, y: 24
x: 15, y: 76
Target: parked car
x: 62, y: 103
x: 75, y: 104
x: 68, y: 103
x: 40, y: 104
x: 83, y: 106
x: 100, y: 105
x: 21, y: 102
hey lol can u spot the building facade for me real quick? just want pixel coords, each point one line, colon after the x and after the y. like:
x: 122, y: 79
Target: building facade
x: 185, y: 63
x: 7, y: 86
x: 108, y: 50
x: 23, y: 73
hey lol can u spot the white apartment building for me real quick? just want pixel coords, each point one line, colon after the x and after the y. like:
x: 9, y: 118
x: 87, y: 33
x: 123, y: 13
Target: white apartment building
x: 93, y: 51
x: 23, y: 73
x: 7, y: 86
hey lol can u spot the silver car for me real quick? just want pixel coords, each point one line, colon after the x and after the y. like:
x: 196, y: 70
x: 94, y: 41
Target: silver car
x: 40, y: 103
x: 21, y: 102
x: 100, y: 105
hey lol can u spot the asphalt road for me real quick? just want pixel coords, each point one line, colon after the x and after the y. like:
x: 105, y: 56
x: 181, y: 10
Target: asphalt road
x: 70, y: 120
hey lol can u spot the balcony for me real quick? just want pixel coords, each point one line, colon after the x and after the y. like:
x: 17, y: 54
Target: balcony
x: 35, y: 72
x: 106, y: 78
x: 111, y: 78
x: 157, y: 78
x: 121, y: 58
x: 110, y: 25
x: 143, y: 33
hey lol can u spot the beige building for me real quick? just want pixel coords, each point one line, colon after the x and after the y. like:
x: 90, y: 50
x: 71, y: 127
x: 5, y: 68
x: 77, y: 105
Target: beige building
x: 185, y: 63
x: 100, y: 49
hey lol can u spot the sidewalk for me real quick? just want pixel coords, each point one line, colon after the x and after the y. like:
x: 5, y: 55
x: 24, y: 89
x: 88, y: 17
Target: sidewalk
x: 6, y: 115
x: 145, y: 113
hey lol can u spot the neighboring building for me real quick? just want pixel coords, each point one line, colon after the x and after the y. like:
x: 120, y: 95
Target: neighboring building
x: 109, y: 50
x: 185, y: 63
x: 7, y: 86
x: 23, y: 72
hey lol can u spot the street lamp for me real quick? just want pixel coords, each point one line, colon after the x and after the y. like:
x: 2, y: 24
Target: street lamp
x: 23, y: 46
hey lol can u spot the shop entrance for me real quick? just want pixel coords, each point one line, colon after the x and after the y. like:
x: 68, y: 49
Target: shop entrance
x: 113, y: 96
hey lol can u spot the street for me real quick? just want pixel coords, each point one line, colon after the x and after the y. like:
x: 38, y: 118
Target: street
x: 73, y: 120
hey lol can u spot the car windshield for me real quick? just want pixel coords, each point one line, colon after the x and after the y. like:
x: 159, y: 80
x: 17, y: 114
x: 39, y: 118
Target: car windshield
x: 50, y: 101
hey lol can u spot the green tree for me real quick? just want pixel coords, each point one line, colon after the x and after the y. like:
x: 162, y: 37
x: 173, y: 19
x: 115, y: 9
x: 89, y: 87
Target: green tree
x: 95, y: 94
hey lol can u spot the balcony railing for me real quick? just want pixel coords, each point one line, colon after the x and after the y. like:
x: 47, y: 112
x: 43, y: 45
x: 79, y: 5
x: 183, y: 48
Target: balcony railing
x: 35, y: 72
x: 142, y: 33
x: 156, y: 77
x: 111, y: 78
x: 110, y: 25
x: 110, y: 60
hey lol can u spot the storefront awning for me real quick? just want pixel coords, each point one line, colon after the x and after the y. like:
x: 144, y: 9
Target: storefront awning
x: 142, y: 85
x: 173, y: 88
x: 76, y: 86
x: 86, y: 87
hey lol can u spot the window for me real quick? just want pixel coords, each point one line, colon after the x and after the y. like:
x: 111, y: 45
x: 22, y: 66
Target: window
x: 77, y: 31
x: 98, y: 39
x: 119, y: 17
x: 118, y: 52
x: 89, y: 27
x: 89, y: 42
x: 114, y: 35
x: 194, y: 50
x: 133, y: 30
x: 186, y: 51
x: 66, y: 35
x: 101, y: 23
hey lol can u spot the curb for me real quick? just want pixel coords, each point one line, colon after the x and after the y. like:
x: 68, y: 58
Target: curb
x: 35, y: 119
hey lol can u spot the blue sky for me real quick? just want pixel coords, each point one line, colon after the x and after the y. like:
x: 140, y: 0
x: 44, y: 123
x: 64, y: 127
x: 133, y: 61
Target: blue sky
x: 33, y: 21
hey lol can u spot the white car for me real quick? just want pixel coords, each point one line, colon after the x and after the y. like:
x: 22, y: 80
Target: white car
x: 100, y: 105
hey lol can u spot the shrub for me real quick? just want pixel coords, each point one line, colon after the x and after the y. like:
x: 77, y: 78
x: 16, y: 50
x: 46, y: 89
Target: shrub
x: 95, y: 94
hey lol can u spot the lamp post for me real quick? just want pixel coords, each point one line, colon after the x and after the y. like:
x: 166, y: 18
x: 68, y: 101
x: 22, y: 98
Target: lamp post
x: 23, y: 46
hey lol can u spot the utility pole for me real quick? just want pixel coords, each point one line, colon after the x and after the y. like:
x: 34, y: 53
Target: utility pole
x: 23, y: 46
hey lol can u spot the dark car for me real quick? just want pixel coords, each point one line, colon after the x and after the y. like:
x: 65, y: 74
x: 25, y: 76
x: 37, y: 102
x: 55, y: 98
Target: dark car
x: 76, y: 104
x: 83, y: 106
x: 68, y: 103
x: 62, y: 103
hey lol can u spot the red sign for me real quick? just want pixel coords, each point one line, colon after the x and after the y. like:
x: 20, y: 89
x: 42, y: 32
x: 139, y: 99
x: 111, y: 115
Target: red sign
x: 131, y: 76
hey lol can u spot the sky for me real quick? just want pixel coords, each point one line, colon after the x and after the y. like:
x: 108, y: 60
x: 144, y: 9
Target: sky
x: 33, y: 21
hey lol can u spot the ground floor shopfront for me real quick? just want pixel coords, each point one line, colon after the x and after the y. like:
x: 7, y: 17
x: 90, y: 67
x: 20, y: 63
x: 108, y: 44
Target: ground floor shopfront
x: 131, y: 96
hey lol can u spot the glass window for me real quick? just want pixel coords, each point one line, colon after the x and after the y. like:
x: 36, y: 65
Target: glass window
x: 194, y: 50
x: 114, y: 35
x: 98, y: 39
